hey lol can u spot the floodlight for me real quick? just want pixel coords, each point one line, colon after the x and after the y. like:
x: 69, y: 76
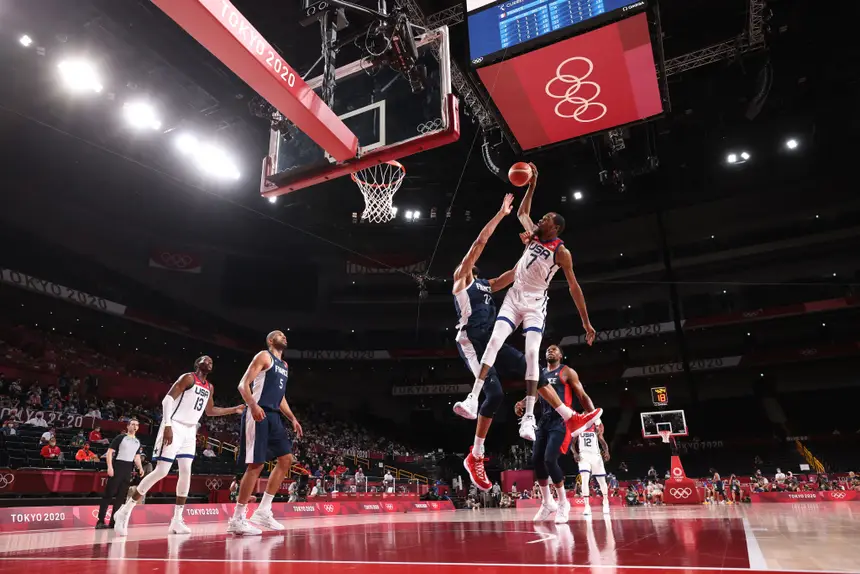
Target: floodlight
x: 745, y: 156
x: 577, y: 195
x: 732, y: 158
x: 187, y: 143
x: 80, y: 76
x: 141, y: 115
x: 792, y: 144
x: 25, y: 40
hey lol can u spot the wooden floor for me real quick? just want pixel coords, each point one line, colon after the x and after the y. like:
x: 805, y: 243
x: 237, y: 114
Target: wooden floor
x: 804, y: 537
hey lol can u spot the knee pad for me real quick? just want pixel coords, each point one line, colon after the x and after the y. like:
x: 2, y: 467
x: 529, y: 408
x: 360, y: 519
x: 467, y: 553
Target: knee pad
x: 493, y: 395
x: 184, y: 483
x: 533, y: 339
x: 501, y: 331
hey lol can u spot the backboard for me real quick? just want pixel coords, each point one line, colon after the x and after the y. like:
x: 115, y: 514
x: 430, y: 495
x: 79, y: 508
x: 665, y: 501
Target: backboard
x: 653, y: 422
x: 378, y: 104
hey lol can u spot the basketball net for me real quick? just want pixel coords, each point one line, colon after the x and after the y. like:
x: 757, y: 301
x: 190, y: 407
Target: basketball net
x: 665, y: 435
x: 378, y: 184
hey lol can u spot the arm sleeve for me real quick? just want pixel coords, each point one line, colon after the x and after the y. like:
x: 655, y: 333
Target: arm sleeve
x: 117, y: 440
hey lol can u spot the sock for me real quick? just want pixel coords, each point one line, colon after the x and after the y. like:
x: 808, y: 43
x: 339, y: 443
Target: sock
x: 562, y: 495
x: 240, y: 511
x: 565, y: 411
x: 177, y: 511
x: 547, y: 493
x: 478, y: 448
x: 476, y: 388
x: 530, y: 406
x: 266, y: 502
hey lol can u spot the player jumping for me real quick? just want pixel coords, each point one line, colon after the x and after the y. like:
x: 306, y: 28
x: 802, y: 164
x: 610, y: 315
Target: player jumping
x: 476, y: 311
x: 552, y: 439
x: 189, y: 397
x: 263, y: 436
x: 525, y: 303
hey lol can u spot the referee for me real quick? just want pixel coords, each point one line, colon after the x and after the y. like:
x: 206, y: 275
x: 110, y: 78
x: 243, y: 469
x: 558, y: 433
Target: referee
x: 125, y: 447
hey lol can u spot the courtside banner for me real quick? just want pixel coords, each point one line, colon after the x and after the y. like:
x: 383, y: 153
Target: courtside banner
x: 793, y: 497
x: 58, y: 291
x: 56, y: 517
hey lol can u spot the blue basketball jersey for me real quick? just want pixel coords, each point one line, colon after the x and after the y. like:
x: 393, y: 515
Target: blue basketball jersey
x: 270, y: 386
x: 562, y: 389
x: 475, y: 306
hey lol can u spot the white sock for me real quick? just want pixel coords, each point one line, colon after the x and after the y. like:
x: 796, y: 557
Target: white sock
x: 266, y: 502
x: 476, y: 388
x: 562, y: 495
x: 547, y: 493
x: 240, y: 511
x: 530, y: 406
x: 565, y: 411
x: 478, y: 448
x: 177, y: 511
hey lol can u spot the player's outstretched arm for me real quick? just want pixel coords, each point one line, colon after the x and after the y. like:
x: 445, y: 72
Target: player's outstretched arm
x: 287, y: 412
x: 525, y: 209
x: 213, y: 411
x: 565, y: 261
x: 572, y: 379
x: 464, y: 270
x: 261, y: 361
x: 604, y: 446
x: 502, y: 281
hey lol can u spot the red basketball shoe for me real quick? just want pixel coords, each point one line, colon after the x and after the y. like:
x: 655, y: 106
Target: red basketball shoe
x: 474, y: 465
x: 579, y: 422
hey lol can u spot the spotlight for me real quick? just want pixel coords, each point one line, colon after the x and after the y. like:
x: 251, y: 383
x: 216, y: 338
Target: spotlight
x: 408, y: 215
x: 416, y: 215
x: 273, y: 199
x: 792, y: 144
x: 745, y: 156
x: 25, y: 40
x: 577, y: 195
x: 141, y: 115
x: 187, y: 144
x: 80, y: 76
x: 214, y: 161
x: 732, y: 158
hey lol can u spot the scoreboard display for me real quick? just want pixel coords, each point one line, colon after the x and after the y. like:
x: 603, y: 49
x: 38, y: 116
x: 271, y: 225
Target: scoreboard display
x: 659, y: 396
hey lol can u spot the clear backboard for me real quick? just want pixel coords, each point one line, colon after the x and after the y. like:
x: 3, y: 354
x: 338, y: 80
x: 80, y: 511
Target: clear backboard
x: 392, y: 117
x: 656, y: 421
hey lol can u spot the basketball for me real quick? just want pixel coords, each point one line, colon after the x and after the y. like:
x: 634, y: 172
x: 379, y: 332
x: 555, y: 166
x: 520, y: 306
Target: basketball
x: 520, y: 174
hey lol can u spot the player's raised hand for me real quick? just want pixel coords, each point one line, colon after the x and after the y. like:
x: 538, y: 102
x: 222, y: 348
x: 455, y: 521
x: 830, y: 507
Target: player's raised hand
x: 297, y: 428
x: 507, y: 204
x: 590, y: 333
x: 526, y: 237
x: 534, y: 172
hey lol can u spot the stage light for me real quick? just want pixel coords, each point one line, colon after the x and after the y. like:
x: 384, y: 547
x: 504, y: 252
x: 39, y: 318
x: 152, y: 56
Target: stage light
x: 26, y: 41
x: 745, y: 156
x: 732, y: 158
x: 187, y: 143
x: 408, y: 215
x: 141, y: 115
x: 577, y: 195
x: 214, y: 161
x: 80, y: 76
x: 792, y: 144
x: 416, y: 215
x: 273, y: 199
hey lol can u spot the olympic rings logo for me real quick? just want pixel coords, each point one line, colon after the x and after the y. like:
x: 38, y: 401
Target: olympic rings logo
x: 582, y: 104
x: 108, y: 514
x: 677, y: 472
x: 579, y: 501
x: 214, y: 484
x: 328, y: 507
x: 389, y: 506
x: 431, y: 126
x: 175, y: 260
x: 837, y: 494
x: 681, y: 492
x: 6, y: 480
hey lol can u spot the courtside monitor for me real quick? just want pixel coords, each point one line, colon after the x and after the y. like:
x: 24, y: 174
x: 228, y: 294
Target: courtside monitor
x: 589, y: 83
x: 503, y: 29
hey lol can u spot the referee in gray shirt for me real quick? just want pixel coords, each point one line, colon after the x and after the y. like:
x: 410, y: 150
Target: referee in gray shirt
x: 122, y: 457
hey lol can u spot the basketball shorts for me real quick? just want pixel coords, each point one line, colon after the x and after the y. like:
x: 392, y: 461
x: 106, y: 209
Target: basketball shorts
x: 593, y: 463
x: 510, y: 362
x: 526, y: 309
x: 552, y: 437
x: 263, y: 441
x: 183, y: 445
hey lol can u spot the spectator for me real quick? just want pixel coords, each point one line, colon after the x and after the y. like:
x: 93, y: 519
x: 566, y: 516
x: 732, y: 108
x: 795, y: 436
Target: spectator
x: 209, y: 453
x: 388, y: 482
x: 655, y: 492
x: 514, y: 488
x: 234, y: 488
x: 9, y: 428
x: 52, y: 451
x: 652, y: 474
x: 79, y: 440
x: 47, y: 436
x: 293, y: 492
x: 613, y: 484
x: 497, y: 493
x: 360, y: 479
x: 317, y: 490
x: 38, y: 420
x: 94, y: 412
x: 86, y: 455
x: 632, y: 497
x: 96, y: 436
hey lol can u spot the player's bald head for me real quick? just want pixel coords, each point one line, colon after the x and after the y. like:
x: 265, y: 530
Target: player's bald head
x: 271, y: 336
x: 276, y: 339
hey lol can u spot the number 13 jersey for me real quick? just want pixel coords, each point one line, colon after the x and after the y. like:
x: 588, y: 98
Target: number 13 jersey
x: 536, y: 267
x: 192, y: 402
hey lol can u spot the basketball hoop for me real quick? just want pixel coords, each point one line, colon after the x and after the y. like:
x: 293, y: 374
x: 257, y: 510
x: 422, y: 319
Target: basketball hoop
x: 378, y: 184
x: 665, y: 435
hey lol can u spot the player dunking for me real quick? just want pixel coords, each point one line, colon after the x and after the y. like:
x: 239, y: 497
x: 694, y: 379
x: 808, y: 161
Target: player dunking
x: 263, y: 436
x: 552, y: 438
x: 189, y: 397
x: 525, y: 302
x: 476, y: 311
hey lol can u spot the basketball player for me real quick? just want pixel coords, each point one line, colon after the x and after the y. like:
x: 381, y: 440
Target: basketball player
x: 525, y: 303
x: 591, y: 450
x: 552, y: 438
x: 186, y: 401
x: 263, y: 435
x: 476, y: 311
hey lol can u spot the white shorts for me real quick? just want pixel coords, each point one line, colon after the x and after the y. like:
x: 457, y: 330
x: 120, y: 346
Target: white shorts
x: 528, y: 309
x: 592, y: 463
x: 184, y: 444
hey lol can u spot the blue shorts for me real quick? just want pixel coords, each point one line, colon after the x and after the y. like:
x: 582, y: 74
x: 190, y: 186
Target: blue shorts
x: 263, y: 441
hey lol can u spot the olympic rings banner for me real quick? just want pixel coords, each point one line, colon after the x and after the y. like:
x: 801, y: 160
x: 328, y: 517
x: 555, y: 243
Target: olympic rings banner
x: 171, y: 260
x: 794, y: 497
x: 589, y: 83
x: 59, y: 517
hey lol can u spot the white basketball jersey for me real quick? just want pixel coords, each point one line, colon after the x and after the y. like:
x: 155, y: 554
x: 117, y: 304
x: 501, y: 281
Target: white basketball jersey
x: 588, y: 444
x: 537, y: 266
x: 192, y: 403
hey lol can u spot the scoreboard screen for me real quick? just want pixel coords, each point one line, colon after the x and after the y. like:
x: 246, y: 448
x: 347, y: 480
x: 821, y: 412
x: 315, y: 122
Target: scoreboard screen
x: 659, y: 396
